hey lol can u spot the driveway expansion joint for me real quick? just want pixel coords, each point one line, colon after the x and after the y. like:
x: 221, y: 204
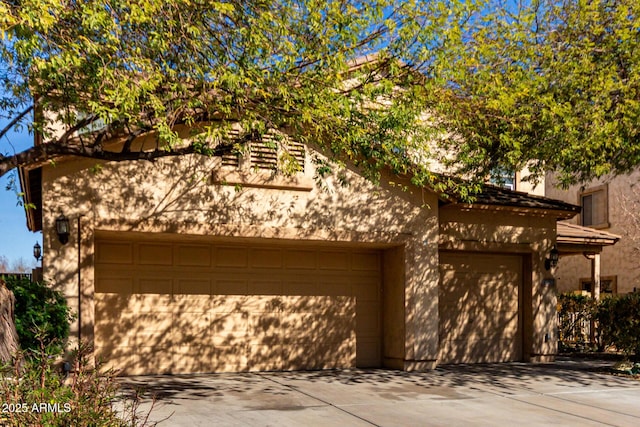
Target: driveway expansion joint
x: 327, y: 403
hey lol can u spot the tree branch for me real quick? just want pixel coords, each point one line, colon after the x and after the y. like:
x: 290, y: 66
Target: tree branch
x: 15, y: 120
x: 44, y: 152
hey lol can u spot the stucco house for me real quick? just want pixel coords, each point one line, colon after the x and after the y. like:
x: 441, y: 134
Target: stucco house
x: 610, y: 206
x: 198, y: 264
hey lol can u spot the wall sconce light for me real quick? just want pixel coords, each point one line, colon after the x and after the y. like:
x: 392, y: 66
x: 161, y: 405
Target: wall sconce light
x: 62, y: 228
x: 37, y: 252
x: 552, y: 260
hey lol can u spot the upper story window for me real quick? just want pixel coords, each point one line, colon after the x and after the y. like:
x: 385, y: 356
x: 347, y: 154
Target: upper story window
x: 503, y: 177
x: 595, y: 209
x: 94, y: 126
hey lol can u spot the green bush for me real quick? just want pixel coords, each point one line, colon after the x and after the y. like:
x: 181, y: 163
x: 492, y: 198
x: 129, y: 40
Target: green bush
x: 37, y: 393
x: 41, y: 314
x: 618, y: 320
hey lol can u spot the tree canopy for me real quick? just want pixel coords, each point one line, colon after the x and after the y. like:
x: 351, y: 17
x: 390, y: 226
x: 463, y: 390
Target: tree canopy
x: 453, y: 86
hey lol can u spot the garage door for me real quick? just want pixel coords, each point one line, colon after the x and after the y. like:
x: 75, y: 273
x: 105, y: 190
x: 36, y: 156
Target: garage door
x: 179, y: 307
x: 479, y: 308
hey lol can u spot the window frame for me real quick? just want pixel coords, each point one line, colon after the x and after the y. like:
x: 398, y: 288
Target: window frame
x: 612, y: 279
x: 499, y: 177
x: 604, y: 189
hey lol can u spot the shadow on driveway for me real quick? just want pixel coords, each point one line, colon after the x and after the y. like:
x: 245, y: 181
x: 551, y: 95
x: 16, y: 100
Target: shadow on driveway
x: 567, y: 392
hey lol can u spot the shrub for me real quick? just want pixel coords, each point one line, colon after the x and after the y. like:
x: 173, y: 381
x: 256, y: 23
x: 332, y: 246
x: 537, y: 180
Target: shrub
x: 37, y: 393
x: 618, y: 319
x: 39, y: 311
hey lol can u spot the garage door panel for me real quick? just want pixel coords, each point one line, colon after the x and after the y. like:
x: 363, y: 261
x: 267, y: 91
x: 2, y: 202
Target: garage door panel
x: 298, y: 355
x: 193, y: 255
x: 234, y: 324
x: 117, y: 285
x: 231, y: 358
x: 151, y: 302
x: 300, y: 288
x: 155, y: 254
x: 154, y: 338
x: 161, y: 357
x: 366, y: 261
x: 154, y: 286
x: 265, y: 357
x: 269, y: 258
x: 237, y: 308
x: 117, y: 357
x: 337, y: 354
x: 296, y: 326
x: 264, y: 287
x: 480, y: 324
x: 368, y: 346
x: 306, y: 304
x: 467, y: 328
x: 114, y: 253
x: 230, y: 287
x: 263, y: 328
x: 365, y: 291
x: 233, y: 339
x: 300, y: 259
x: 479, y: 351
x: 191, y: 303
x: 116, y: 333
x: 112, y: 304
x: 235, y: 303
x: 333, y: 288
x: 231, y: 257
x: 479, y: 308
x: 476, y: 314
x: 333, y: 260
x: 191, y: 358
x: 503, y: 302
x: 191, y: 326
x: 192, y: 286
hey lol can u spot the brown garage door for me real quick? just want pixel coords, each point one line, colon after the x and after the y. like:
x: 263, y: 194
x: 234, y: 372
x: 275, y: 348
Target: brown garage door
x: 169, y: 306
x: 479, y: 308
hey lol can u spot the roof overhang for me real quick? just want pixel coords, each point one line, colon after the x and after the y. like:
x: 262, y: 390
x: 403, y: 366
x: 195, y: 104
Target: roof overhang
x: 31, y: 185
x: 496, y: 198
x: 573, y: 238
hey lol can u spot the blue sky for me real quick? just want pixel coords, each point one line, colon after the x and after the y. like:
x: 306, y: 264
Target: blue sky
x: 16, y: 241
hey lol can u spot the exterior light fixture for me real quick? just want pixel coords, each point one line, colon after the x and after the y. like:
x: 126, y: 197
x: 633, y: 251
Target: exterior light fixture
x: 37, y: 252
x: 62, y: 228
x: 552, y: 260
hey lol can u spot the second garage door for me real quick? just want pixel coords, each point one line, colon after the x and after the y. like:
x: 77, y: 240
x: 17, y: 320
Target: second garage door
x: 479, y: 307
x: 178, y: 307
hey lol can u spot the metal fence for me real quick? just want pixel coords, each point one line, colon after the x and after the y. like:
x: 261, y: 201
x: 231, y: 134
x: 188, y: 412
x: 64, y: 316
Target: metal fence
x: 574, y: 328
x: 5, y: 276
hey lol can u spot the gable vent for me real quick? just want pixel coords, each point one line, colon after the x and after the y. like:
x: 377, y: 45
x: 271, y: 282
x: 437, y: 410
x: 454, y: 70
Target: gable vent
x: 296, y: 150
x: 264, y: 153
x: 232, y: 158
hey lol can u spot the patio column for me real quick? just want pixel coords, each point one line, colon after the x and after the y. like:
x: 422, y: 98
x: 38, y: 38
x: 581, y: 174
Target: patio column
x: 595, y: 276
x: 595, y: 289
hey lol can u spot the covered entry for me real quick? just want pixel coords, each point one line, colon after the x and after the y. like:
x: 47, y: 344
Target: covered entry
x: 479, y: 307
x: 172, y: 305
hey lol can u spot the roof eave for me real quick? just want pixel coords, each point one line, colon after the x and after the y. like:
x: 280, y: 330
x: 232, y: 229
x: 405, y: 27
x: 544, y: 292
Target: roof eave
x: 557, y: 213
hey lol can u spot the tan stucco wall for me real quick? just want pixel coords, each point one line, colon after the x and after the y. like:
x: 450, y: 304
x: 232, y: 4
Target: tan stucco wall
x: 502, y: 231
x: 178, y: 196
x: 525, y: 185
x: 619, y: 260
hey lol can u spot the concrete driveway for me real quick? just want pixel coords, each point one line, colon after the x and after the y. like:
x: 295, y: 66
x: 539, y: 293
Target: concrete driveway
x: 567, y: 393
